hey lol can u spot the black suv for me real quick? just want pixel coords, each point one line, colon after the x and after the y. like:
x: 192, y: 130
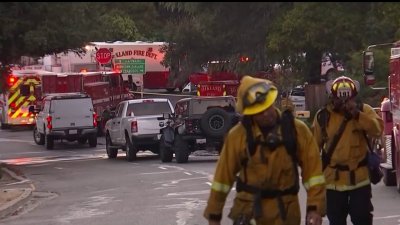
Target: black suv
x: 198, y: 123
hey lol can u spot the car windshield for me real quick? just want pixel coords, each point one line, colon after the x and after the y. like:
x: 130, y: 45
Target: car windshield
x: 201, y: 106
x: 297, y: 92
x: 148, y: 108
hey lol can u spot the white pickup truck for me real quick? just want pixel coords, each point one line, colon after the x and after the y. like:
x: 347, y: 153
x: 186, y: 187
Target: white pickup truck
x: 135, y: 125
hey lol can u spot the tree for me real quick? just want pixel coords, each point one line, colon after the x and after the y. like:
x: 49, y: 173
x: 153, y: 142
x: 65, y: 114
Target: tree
x: 202, y: 32
x: 311, y: 29
x: 40, y: 28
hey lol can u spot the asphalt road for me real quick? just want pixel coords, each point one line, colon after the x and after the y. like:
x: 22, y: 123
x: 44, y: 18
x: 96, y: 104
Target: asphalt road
x: 76, y: 184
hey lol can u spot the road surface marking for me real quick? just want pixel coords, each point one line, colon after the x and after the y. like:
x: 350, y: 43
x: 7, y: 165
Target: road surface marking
x: 14, y: 140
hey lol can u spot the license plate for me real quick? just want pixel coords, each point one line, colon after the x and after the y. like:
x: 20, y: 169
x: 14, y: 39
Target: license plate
x: 200, y: 141
x: 158, y: 136
x: 73, y: 131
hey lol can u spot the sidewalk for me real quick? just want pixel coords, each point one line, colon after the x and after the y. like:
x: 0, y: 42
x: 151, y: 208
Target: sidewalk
x: 15, y: 190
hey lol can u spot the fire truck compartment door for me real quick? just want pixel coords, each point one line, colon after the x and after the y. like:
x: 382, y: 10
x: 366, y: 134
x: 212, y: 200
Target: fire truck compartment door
x: 70, y: 113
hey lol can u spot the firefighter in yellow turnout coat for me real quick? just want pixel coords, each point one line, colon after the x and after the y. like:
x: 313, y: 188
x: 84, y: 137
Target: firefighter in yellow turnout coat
x: 266, y: 184
x: 348, y: 185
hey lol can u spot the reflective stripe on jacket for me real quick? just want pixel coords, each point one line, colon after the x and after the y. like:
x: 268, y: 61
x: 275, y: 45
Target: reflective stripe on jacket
x: 351, y: 148
x: 274, y: 172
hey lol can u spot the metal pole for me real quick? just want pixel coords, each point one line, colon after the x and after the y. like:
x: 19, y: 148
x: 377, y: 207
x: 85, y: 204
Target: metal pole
x: 379, y: 45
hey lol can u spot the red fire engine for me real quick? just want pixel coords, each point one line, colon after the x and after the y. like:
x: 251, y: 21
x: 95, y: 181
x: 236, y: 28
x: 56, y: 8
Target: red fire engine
x: 20, y: 91
x: 25, y: 88
x: 106, y: 89
x: 390, y: 112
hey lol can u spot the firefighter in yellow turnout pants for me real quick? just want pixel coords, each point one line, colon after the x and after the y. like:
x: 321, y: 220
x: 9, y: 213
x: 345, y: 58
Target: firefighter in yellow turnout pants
x: 265, y: 150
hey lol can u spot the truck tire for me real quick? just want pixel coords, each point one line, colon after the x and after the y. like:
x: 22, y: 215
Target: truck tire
x: 389, y: 177
x: 181, y: 150
x: 111, y: 151
x: 216, y: 122
x: 130, y: 149
x: 49, y: 142
x: 166, y: 153
x: 38, y: 137
x: 93, y: 141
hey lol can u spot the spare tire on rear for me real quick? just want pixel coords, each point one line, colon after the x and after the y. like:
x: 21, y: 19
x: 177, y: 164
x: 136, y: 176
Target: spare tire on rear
x: 216, y: 122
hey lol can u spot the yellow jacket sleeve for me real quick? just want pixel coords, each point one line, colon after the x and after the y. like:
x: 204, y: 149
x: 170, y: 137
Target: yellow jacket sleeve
x: 311, y: 169
x: 228, y: 166
x: 370, y: 121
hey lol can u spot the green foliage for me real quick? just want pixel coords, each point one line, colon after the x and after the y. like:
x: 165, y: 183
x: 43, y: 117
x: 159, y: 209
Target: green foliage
x: 315, y: 28
x: 219, y: 31
x: 293, y: 35
x: 39, y: 28
x: 116, y: 26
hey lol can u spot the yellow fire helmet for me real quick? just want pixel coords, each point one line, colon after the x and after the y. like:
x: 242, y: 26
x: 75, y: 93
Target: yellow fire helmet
x: 255, y: 95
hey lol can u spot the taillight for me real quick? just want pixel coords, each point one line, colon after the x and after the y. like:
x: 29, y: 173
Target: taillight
x: 389, y: 117
x: 49, y: 122
x: 134, y: 127
x: 189, y: 126
x: 94, y: 119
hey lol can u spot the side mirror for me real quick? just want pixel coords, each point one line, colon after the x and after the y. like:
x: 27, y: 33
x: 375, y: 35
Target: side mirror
x: 368, y: 62
x: 368, y: 67
x: 33, y: 109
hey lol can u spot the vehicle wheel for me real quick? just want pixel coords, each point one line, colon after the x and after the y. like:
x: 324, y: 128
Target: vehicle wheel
x: 49, y: 142
x: 389, y: 177
x: 181, y: 150
x: 93, y: 141
x: 216, y: 122
x: 111, y: 152
x: 170, y: 89
x: 38, y: 137
x: 130, y: 149
x: 82, y: 140
x: 166, y: 153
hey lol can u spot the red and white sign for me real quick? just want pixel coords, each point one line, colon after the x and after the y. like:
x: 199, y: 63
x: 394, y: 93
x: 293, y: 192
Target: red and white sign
x: 103, y: 56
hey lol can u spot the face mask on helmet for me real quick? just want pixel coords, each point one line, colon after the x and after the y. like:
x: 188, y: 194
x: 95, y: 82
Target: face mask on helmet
x: 256, y: 94
x: 343, y: 88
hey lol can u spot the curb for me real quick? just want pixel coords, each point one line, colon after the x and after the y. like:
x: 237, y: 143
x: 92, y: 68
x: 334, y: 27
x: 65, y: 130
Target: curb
x: 12, y: 206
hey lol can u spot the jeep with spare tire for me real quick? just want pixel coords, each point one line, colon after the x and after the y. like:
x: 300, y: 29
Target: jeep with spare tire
x: 199, y: 123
